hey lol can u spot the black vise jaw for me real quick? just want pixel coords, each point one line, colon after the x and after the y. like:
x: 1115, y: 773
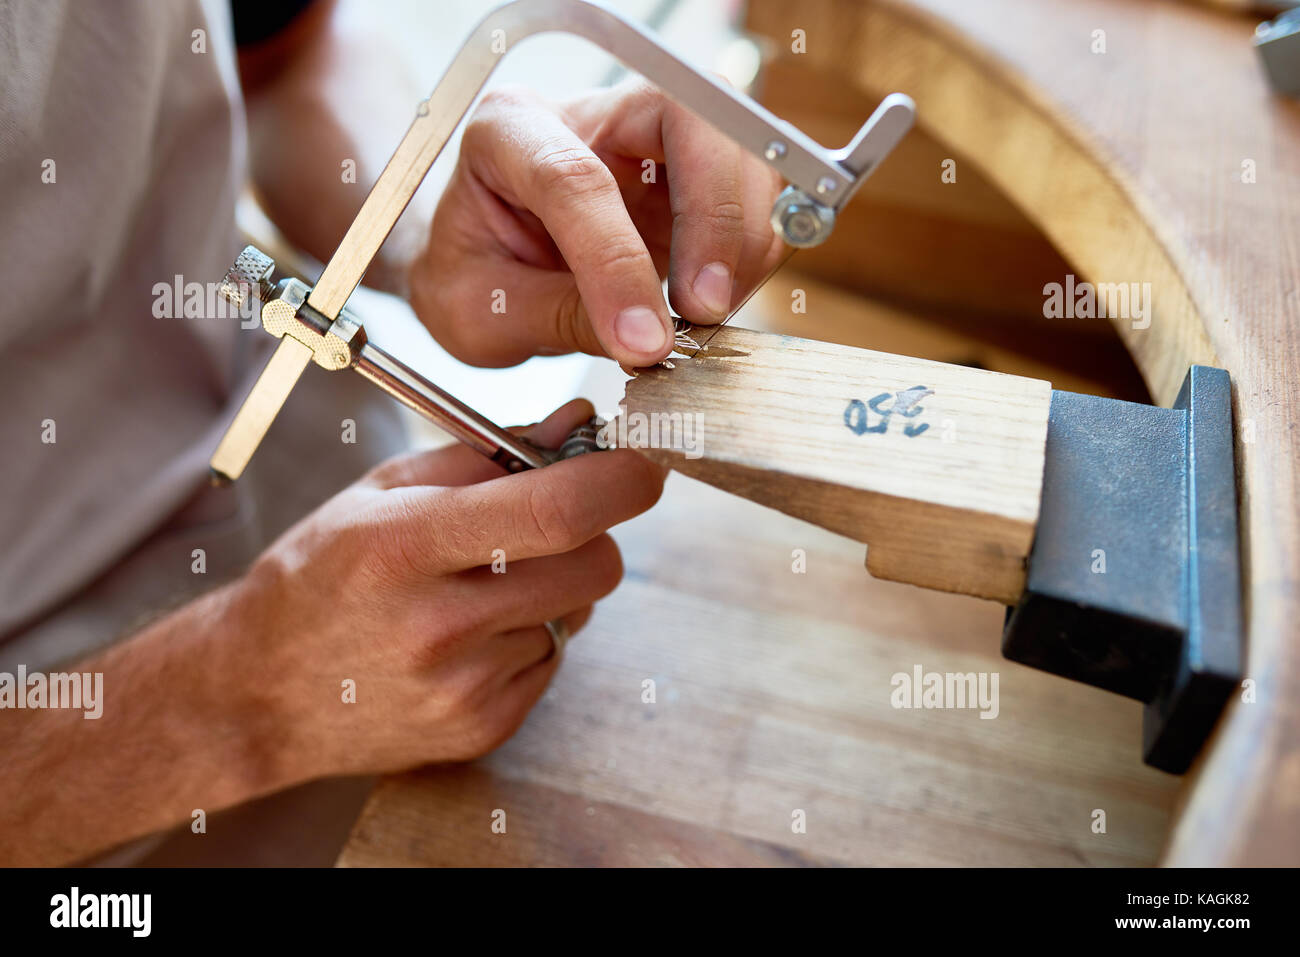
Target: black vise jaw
x: 1133, y: 583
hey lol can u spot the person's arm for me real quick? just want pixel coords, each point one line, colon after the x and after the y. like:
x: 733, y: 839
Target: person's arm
x: 387, y: 587
x: 181, y: 728
x: 321, y: 92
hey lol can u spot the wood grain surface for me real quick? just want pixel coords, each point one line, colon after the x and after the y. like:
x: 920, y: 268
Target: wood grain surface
x: 1137, y: 163
x: 938, y: 468
x: 772, y: 695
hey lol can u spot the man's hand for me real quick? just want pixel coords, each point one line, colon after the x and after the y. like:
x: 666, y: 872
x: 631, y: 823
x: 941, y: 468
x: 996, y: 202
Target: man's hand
x: 389, y: 586
x: 550, y: 207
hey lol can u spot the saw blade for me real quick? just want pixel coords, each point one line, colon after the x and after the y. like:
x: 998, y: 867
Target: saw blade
x: 684, y: 326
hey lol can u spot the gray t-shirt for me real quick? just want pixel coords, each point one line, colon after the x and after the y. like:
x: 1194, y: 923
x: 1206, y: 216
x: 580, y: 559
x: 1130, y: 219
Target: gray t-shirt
x: 121, y: 156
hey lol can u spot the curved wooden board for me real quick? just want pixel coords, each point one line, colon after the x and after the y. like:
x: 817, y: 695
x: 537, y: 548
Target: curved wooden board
x: 1131, y: 162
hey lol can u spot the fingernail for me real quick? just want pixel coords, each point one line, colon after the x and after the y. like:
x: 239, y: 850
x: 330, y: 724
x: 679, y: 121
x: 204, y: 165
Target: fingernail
x: 641, y: 330
x: 713, y: 288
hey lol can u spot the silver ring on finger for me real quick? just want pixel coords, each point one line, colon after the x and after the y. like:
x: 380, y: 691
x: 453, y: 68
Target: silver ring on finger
x: 559, y: 632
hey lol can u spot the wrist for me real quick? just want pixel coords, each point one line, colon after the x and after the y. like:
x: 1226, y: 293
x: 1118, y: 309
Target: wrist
x: 247, y: 721
x: 178, y: 729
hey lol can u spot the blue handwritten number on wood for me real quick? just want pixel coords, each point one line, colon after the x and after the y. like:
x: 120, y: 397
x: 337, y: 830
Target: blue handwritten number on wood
x: 855, y: 416
x: 906, y: 403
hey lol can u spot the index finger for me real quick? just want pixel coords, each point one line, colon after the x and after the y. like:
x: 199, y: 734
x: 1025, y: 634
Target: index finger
x: 544, y: 511
x: 524, y: 152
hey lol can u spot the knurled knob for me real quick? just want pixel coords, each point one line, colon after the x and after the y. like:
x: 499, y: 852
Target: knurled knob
x: 249, y: 276
x: 585, y: 438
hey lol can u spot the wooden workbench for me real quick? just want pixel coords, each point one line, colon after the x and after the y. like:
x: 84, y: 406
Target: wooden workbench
x: 773, y: 695
x: 771, y: 687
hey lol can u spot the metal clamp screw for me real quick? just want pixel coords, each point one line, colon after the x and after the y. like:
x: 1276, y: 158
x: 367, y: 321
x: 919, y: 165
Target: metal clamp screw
x: 252, y: 271
x: 800, y: 220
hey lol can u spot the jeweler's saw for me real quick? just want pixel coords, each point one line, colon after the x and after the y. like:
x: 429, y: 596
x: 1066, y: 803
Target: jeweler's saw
x: 313, y: 323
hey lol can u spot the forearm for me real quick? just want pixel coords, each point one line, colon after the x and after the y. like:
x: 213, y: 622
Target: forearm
x: 181, y: 728
x: 327, y: 104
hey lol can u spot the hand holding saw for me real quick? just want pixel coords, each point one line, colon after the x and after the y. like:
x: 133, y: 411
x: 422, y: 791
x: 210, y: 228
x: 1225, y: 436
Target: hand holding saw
x: 314, y: 323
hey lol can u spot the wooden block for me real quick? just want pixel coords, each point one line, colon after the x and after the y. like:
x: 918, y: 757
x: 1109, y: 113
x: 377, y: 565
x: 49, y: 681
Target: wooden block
x: 937, y: 467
